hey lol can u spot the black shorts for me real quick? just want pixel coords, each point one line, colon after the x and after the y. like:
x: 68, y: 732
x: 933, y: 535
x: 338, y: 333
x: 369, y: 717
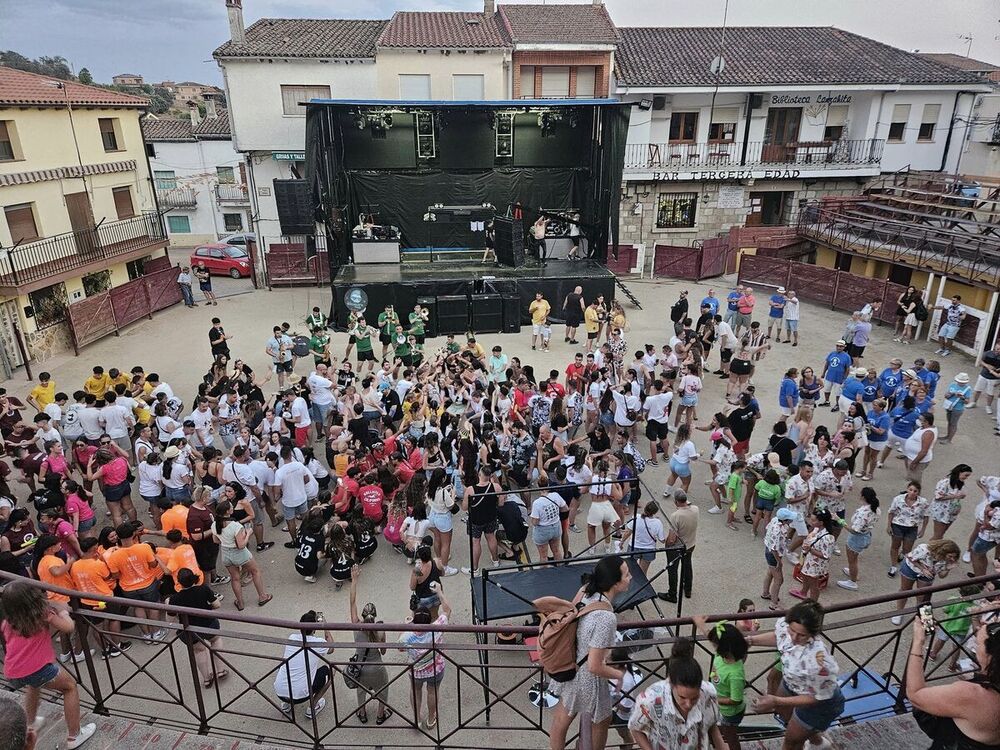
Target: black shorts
x: 285, y: 367
x: 384, y: 339
x: 857, y: 352
x: 593, y: 335
x: 573, y: 319
x: 367, y: 356
x: 656, y: 430
x: 352, y: 340
x: 477, y: 530
x: 420, y: 338
x: 150, y: 594
x: 741, y: 367
x: 726, y: 355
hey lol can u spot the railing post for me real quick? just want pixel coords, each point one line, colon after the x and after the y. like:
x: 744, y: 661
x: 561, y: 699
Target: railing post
x: 193, y: 663
x: 88, y: 657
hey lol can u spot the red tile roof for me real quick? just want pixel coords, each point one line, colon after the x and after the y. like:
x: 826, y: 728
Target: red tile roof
x: 18, y: 88
x: 306, y: 37
x: 442, y: 29
x: 178, y: 129
x: 559, y: 24
x: 960, y: 62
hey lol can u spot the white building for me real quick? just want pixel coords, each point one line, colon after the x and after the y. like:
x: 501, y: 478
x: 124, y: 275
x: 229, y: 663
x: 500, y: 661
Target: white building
x: 200, y: 180
x: 795, y: 114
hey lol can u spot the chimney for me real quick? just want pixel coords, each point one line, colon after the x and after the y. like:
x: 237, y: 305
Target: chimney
x: 236, y: 30
x: 195, y: 113
x: 210, y: 111
x: 489, y: 7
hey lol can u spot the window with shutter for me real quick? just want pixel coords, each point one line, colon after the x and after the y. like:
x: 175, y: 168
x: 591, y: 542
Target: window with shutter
x: 586, y: 80
x: 897, y: 126
x: 109, y: 136
x: 527, y: 81
x: 123, y: 202
x: 468, y: 88
x: 555, y: 82
x: 21, y: 223
x: 836, y: 121
x: 293, y: 96
x: 415, y: 88
x: 928, y: 122
x: 8, y: 151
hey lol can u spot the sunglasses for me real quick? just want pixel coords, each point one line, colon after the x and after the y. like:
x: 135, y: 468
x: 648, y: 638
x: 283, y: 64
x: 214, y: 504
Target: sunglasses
x: 105, y: 442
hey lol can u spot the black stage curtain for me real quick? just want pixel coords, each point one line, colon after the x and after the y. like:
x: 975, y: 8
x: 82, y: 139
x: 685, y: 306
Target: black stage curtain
x: 404, y: 197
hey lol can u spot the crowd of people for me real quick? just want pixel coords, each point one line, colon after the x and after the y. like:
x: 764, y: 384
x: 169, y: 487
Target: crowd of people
x: 403, y: 448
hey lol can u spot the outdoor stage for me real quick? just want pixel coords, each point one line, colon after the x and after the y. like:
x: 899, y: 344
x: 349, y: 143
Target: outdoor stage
x: 401, y: 284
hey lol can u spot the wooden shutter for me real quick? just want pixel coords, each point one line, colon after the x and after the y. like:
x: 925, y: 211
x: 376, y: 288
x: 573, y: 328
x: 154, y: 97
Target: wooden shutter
x: 123, y: 202
x: 21, y: 223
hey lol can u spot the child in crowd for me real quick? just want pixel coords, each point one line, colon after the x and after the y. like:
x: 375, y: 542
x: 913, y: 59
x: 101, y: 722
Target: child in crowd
x: 734, y: 491
x: 728, y: 675
x: 623, y: 693
x: 954, y: 624
x: 748, y: 626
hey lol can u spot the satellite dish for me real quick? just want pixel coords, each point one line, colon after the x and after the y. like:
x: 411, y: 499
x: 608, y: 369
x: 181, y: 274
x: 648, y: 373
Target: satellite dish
x: 718, y: 65
x: 355, y: 299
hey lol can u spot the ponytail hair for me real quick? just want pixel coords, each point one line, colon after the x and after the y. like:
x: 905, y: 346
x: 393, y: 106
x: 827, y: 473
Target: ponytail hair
x: 607, y: 573
x: 223, y: 509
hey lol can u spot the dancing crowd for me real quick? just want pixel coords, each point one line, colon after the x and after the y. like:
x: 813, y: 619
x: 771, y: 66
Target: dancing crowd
x: 152, y: 495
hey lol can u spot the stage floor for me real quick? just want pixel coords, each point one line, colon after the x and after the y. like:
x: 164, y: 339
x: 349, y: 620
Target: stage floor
x: 406, y: 273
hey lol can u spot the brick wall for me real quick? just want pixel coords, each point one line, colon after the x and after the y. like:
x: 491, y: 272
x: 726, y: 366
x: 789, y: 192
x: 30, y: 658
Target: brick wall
x: 600, y: 60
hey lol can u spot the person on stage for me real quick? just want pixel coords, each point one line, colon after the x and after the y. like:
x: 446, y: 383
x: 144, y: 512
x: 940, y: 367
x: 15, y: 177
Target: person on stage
x: 538, y: 232
x: 490, y: 243
x: 574, y: 236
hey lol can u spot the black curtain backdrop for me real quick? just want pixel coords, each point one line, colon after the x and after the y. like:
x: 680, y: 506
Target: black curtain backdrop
x: 404, y: 197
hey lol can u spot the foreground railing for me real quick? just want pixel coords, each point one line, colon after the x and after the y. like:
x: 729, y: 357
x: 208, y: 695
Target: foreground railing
x: 485, y: 699
x: 729, y: 154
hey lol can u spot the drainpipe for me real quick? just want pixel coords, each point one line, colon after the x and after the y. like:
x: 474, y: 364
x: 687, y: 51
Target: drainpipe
x: 951, y: 129
x: 746, y: 132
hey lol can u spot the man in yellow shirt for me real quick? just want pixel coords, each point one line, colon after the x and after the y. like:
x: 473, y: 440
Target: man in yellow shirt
x: 97, y: 384
x: 116, y: 376
x: 44, y: 393
x: 539, y: 310
x: 592, y: 322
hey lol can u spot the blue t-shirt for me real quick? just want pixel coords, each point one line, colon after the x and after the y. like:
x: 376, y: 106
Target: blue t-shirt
x: 713, y: 303
x: 930, y: 379
x: 881, y: 422
x: 852, y: 388
x: 731, y: 299
x: 924, y: 406
x: 952, y: 400
x: 904, y: 421
x: 869, y: 390
x: 789, y: 389
x: 889, y: 380
x: 836, y: 366
x: 777, y: 312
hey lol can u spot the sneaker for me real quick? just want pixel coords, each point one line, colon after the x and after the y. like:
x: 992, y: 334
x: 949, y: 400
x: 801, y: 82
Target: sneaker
x: 715, y: 510
x: 896, y: 620
x: 291, y: 545
x: 220, y: 580
x: 468, y: 571
x: 264, y: 546
x: 892, y: 572
x: 989, y: 409
x: 939, y: 351
x: 63, y: 658
x: 124, y: 646
x: 159, y: 635
x: 111, y: 653
x: 653, y: 462
x: 946, y: 353
x: 496, y: 563
x: 310, y: 579
x: 966, y: 556
x: 85, y: 733
x: 285, y: 708
x: 320, y: 705
x: 77, y: 658
x: 847, y: 571
x: 849, y: 585
x: 575, y: 529
x: 449, y: 571
x: 836, y: 550
x: 835, y: 408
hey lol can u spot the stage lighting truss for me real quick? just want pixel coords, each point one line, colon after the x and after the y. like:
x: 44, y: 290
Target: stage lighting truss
x: 504, y: 125
x: 548, y: 119
x: 426, y: 144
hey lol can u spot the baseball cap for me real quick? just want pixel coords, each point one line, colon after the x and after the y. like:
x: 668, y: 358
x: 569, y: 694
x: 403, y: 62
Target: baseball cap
x: 786, y: 514
x: 841, y: 342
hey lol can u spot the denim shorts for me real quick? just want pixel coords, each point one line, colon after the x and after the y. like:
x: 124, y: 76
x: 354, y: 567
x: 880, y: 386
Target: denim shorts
x: 295, y: 512
x: 681, y: 469
x: 791, y: 325
x: 906, y: 533
x: 542, y: 535
x: 858, y: 543
x: 689, y: 399
x: 982, y: 546
x: 178, y: 494
x: 38, y: 679
x: 149, y: 594
x: 647, y: 556
x: 911, y: 575
x: 117, y: 492
x: 818, y: 716
x: 442, y: 521
x: 772, y: 561
x: 88, y: 524
x: 765, y: 505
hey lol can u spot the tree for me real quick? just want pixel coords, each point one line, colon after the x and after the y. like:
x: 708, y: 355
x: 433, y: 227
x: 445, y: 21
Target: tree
x: 85, y: 77
x: 160, y: 100
x: 54, y: 66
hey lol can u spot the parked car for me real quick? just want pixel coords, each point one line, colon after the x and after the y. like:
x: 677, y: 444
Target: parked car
x: 240, y: 239
x: 220, y: 258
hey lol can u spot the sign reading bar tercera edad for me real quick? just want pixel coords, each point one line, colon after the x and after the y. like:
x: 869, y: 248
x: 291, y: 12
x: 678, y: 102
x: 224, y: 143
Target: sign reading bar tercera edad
x: 288, y: 155
x: 727, y: 174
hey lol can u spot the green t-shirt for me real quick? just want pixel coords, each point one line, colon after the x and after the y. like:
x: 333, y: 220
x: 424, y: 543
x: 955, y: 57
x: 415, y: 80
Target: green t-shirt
x: 387, y: 323
x: 402, y: 348
x: 729, y: 679
x: 767, y: 491
x: 961, y: 623
x: 734, y: 489
x: 452, y: 347
x: 317, y: 345
x: 416, y: 324
x: 364, y: 340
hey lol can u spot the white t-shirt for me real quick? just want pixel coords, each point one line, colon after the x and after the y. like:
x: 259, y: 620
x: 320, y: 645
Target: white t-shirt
x: 179, y: 472
x: 685, y: 453
x: 791, y: 309
x: 413, y: 528
x: 293, y: 681
x: 622, y: 405
x: 203, y: 425
x: 319, y: 389
x: 263, y: 473
x: 727, y: 339
x: 90, y: 422
x: 546, y: 508
x: 150, y: 479
x: 71, y: 426
x: 656, y: 407
x: 43, y: 436
x: 162, y: 388
x: 300, y: 410
x: 54, y: 411
x: 403, y: 387
x: 293, y: 477
x: 648, y: 532
x: 116, y: 419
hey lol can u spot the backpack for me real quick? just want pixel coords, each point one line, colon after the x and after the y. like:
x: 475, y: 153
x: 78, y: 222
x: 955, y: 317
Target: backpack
x: 557, y: 634
x: 920, y: 311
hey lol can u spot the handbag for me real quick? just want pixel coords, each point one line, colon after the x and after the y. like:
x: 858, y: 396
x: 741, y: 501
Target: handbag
x: 352, y: 672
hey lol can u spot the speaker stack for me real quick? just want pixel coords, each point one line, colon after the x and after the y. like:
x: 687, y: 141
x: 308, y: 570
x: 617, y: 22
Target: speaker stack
x: 508, y: 241
x: 452, y: 314
x: 487, y: 313
x: 511, y: 313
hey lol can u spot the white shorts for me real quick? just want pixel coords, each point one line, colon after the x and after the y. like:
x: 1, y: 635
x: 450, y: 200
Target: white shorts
x: 600, y: 513
x: 799, y: 524
x: 536, y: 329
x: 985, y: 385
x: 786, y: 411
x: 895, y: 441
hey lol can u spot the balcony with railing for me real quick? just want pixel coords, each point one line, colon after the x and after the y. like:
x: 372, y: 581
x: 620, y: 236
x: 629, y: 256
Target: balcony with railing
x: 176, y: 198
x: 732, y: 156
x: 33, y: 265
x: 232, y: 193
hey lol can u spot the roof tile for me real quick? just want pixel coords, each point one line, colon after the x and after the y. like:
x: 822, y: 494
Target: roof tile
x: 306, y: 37
x: 214, y: 127
x: 776, y: 55
x: 20, y: 88
x: 442, y: 29
x: 572, y: 24
x: 161, y: 129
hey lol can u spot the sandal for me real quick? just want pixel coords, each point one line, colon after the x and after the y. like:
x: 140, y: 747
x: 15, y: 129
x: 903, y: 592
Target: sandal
x: 765, y: 596
x: 265, y: 600
x: 429, y: 725
x: 380, y: 720
x: 240, y: 606
x: 363, y: 716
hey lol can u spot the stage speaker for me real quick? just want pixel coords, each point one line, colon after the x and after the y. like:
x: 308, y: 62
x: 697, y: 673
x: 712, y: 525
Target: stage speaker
x: 511, y: 313
x: 487, y: 313
x: 452, y: 314
x: 431, y: 326
x: 509, y: 241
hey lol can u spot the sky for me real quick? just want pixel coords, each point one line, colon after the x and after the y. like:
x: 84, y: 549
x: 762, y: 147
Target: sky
x: 174, y: 39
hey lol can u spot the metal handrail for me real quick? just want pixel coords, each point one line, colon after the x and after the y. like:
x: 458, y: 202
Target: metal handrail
x: 730, y: 154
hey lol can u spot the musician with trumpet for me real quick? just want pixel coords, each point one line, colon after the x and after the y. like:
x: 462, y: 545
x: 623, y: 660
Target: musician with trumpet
x: 387, y: 322
x: 363, y: 335
x: 418, y: 322
x: 279, y: 349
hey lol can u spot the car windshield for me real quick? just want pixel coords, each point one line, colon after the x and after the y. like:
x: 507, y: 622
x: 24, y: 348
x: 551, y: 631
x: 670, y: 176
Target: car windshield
x: 236, y: 252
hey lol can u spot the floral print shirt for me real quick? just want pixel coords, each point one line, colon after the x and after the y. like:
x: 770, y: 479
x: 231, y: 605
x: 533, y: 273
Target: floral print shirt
x: 945, y: 511
x: 822, y: 542
x: 656, y: 716
x: 921, y: 561
x: 904, y: 514
x: 825, y: 481
x: 808, y: 669
x: 864, y: 519
x: 776, y: 537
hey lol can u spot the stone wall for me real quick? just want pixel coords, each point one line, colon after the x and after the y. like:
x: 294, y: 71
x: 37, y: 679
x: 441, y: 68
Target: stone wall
x: 44, y: 344
x: 713, y: 214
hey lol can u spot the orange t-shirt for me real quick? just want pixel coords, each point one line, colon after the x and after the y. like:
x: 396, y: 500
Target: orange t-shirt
x: 132, y: 566
x: 45, y: 575
x: 175, y: 518
x: 92, y: 577
x: 182, y: 556
x: 163, y: 555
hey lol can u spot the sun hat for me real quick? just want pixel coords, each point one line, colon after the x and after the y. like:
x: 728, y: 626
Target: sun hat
x: 861, y: 372
x: 841, y: 342
x: 781, y: 290
x: 172, y: 451
x: 911, y: 373
x: 962, y: 377
x: 786, y: 514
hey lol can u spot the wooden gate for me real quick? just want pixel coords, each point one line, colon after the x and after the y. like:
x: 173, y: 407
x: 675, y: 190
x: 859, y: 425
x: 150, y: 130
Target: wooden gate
x: 91, y: 319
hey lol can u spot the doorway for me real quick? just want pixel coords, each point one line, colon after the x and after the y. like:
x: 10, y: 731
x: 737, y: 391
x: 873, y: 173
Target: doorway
x: 81, y: 219
x: 769, y: 209
x: 781, y: 134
